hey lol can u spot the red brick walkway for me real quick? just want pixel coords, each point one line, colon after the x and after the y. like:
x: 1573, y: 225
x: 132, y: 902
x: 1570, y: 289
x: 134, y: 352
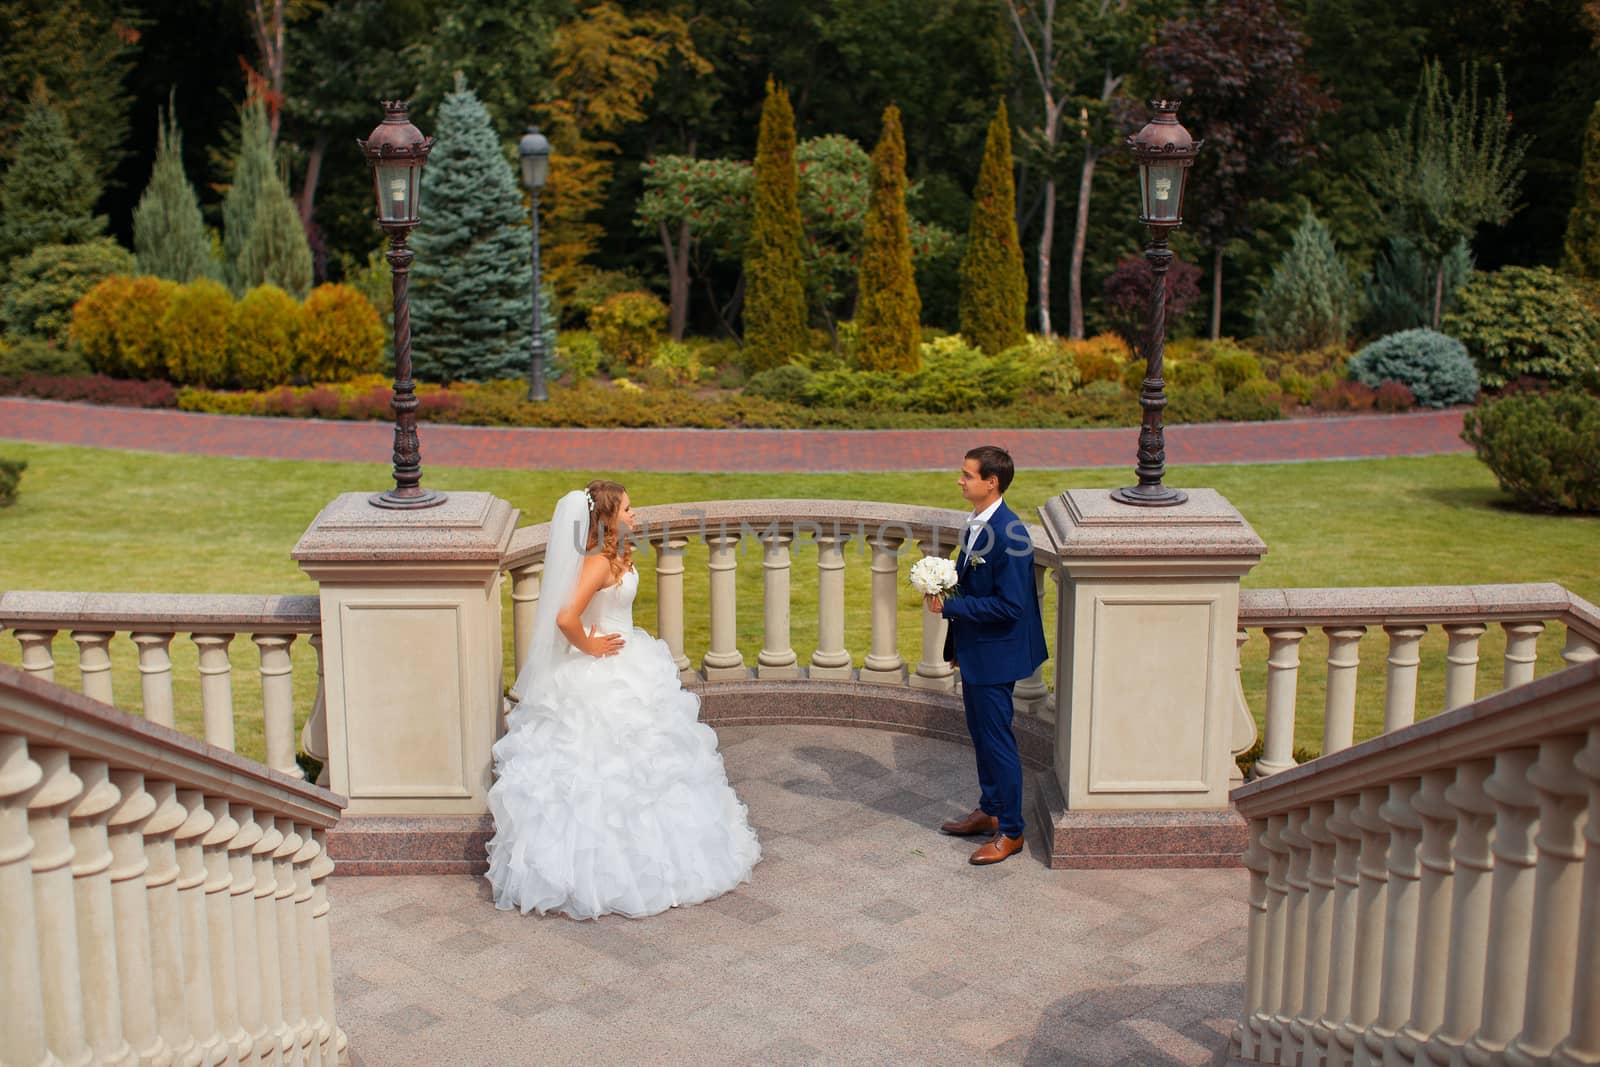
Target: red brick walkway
x: 1416, y: 434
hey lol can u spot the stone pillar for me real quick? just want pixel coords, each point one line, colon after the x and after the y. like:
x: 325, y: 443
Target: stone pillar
x: 412, y: 641
x: 1400, y: 918
x: 38, y: 659
x: 199, y: 989
x: 1341, y: 964
x: 669, y: 597
x: 22, y: 1030
x: 1582, y: 1044
x: 776, y: 658
x: 1438, y: 817
x: 91, y: 889
x: 1400, y: 695
x: 1469, y: 911
x: 933, y: 670
x: 1461, y: 663
x: 1522, y: 651
x: 723, y: 662
x: 155, y: 676
x: 277, y: 702
x: 1339, y: 705
x: 1366, y: 974
x: 1145, y: 647
x: 59, y: 978
x: 219, y: 926
x: 883, y: 665
x: 216, y: 687
x: 830, y: 660
x: 94, y: 664
x: 524, y: 606
x: 314, y: 735
x: 1319, y: 931
x: 1247, y: 1035
x: 1031, y: 696
x: 246, y: 943
x: 1283, y: 680
x: 166, y: 922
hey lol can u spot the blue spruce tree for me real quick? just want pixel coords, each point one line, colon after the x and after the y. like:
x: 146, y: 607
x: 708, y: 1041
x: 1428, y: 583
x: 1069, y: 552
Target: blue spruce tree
x: 471, y: 298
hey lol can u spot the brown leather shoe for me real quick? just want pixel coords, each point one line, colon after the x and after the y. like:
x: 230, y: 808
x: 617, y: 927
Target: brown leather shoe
x: 1002, y: 847
x: 976, y: 823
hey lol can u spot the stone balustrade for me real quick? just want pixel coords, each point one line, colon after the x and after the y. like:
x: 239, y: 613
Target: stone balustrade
x: 1406, y: 615
x: 162, y: 900
x: 151, y: 621
x: 1432, y: 896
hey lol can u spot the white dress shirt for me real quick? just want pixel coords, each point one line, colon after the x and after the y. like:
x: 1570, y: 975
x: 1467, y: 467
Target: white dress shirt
x: 975, y: 523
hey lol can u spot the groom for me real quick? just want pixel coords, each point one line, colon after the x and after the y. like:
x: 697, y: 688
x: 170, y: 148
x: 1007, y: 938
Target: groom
x: 997, y: 638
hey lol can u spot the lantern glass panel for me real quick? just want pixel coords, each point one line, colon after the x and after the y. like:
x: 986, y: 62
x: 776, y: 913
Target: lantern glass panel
x: 397, y: 192
x: 1162, y: 186
x: 535, y: 170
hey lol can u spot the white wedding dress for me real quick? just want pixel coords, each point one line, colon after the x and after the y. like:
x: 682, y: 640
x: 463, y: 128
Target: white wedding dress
x: 610, y: 793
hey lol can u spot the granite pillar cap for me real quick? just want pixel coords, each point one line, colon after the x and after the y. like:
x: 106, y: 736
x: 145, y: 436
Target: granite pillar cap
x: 1087, y: 523
x: 466, y: 528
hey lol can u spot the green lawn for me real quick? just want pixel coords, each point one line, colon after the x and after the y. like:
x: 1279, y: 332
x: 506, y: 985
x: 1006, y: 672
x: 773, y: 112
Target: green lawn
x: 91, y: 519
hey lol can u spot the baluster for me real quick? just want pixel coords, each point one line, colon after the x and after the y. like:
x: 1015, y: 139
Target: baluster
x: 219, y: 925
x: 1339, y: 710
x: 1522, y: 651
x: 1031, y: 696
x: 166, y: 923
x: 723, y: 661
x: 331, y: 1037
x: 277, y: 702
x: 1276, y: 926
x: 1469, y: 911
x: 933, y: 670
x: 1366, y: 975
x: 314, y: 735
x: 777, y: 658
x: 1342, y: 940
x: 1400, y: 692
x: 1319, y: 932
x: 1579, y: 649
x: 311, y: 1026
x: 289, y: 940
x: 1558, y: 885
x: 1257, y: 859
x: 1510, y: 903
x: 1298, y: 879
x: 155, y: 677
x: 1400, y: 920
x: 830, y: 660
x: 22, y: 1031
x: 279, y: 1038
x: 94, y: 664
x: 130, y: 902
x: 1461, y: 663
x: 199, y: 982
x: 216, y: 687
x: 524, y: 605
x: 246, y: 943
x: 59, y: 975
x: 1283, y: 675
x: 1244, y: 724
x: 669, y: 595
x: 1432, y: 953
x: 91, y: 891
x: 1582, y: 1044
x: 38, y: 659
x: 883, y: 665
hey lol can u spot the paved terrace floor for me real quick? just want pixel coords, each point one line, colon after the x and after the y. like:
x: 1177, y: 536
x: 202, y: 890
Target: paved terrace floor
x: 863, y: 938
x: 1353, y: 437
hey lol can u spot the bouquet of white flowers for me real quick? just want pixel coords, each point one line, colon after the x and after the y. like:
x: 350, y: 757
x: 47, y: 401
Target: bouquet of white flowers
x: 934, y: 576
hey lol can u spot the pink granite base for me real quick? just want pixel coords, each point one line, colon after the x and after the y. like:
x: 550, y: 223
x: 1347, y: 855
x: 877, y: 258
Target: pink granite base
x: 410, y: 844
x: 1084, y: 840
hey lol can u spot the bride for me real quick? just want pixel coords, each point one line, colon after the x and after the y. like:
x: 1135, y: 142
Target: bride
x: 610, y: 793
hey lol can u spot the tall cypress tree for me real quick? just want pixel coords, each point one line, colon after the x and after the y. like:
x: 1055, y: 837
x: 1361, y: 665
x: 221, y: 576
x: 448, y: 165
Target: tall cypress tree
x: 1581, y: 253
x: 889, y: 314
x: 169, y: 236
x: 994, y: 287
x: 276, y: 251
x: 47, y: 195
x: 774, y: 257
x: 472, y: 303
x: 253, y: 167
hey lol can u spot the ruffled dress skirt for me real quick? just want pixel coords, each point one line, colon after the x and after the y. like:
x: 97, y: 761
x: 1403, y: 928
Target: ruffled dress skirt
x: 611, y: 796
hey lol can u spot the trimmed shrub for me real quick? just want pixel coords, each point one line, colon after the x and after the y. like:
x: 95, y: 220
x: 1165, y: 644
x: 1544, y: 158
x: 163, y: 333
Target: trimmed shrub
x: 1394, y: 396
x: 1310, y: 300
x: 1525, y: 321
x: 1256, y: 400
x: 1049, y: 364
x: 340, y: 335
x: 194, y: 333
x: 1434, y: 367
x: 1544, y: 448
x: 888, y: 309
x: 1098, y: 365
x: 261, y: 337
x: 774, y: 252
x: 117, y: 324
x: 42, y: 286
x: 1200, y: 401
x: 30, y: 355
x: 10, y: 476
x: 628, y: 326
x: 790, y: 384
x: 994, y: 287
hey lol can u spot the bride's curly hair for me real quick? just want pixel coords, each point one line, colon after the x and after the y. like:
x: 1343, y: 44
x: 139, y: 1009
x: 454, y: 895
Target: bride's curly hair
x: 604, y: 533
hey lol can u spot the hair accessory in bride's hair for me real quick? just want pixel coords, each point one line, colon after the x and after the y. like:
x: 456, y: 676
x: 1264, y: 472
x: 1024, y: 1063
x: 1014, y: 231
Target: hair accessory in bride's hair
x: 588, y: 499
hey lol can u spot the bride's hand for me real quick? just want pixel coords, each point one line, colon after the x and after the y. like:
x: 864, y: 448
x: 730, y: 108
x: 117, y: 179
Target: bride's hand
x: 603, y: 644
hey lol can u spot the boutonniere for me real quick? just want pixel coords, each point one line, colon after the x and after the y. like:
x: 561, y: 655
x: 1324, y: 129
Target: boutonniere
x: 976, y: 561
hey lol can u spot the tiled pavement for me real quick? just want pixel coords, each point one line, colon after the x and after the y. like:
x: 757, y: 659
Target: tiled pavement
x: 1414, y: 434
x: 864, y: 938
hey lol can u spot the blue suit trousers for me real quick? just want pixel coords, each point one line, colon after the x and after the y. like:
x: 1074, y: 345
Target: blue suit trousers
x: 999, y: 764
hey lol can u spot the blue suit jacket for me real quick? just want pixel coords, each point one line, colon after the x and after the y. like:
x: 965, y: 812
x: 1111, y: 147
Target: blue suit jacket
x: 995, y: 632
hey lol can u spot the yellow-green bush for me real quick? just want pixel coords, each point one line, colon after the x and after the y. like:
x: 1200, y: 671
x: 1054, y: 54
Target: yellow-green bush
x: 117, y: 324
x: 1050, y: 364
x: 194, y: 334
x: 340, y: 335
x: 676, y: 362
x: 261, y: 337
x: 628, y: 326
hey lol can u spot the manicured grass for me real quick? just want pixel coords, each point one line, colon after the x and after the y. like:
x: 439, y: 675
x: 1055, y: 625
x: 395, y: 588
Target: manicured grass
x: 90, y: 519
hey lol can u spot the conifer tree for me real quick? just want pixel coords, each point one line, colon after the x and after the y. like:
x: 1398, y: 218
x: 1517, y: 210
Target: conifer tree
x: 169, y: 235
x: 774, y: 257
x: 253, y: 167
x: 1581, y: 254
x: 994, y: 287
x: 1311, y: 300
x: 889, y: 314
x: 472, y: 298
x: 48, y: 193
x: 276, y: 251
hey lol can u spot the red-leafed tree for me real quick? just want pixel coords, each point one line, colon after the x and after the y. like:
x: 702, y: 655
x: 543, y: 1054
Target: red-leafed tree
x: 1238, y: 67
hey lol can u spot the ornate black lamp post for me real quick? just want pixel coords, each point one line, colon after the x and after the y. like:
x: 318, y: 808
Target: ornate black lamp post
x: 535, y: 153
x: 397, y: 151
x: 1165, y: 152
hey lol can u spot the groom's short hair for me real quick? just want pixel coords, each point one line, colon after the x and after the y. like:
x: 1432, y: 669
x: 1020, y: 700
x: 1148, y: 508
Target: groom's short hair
x: 994, y: 462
